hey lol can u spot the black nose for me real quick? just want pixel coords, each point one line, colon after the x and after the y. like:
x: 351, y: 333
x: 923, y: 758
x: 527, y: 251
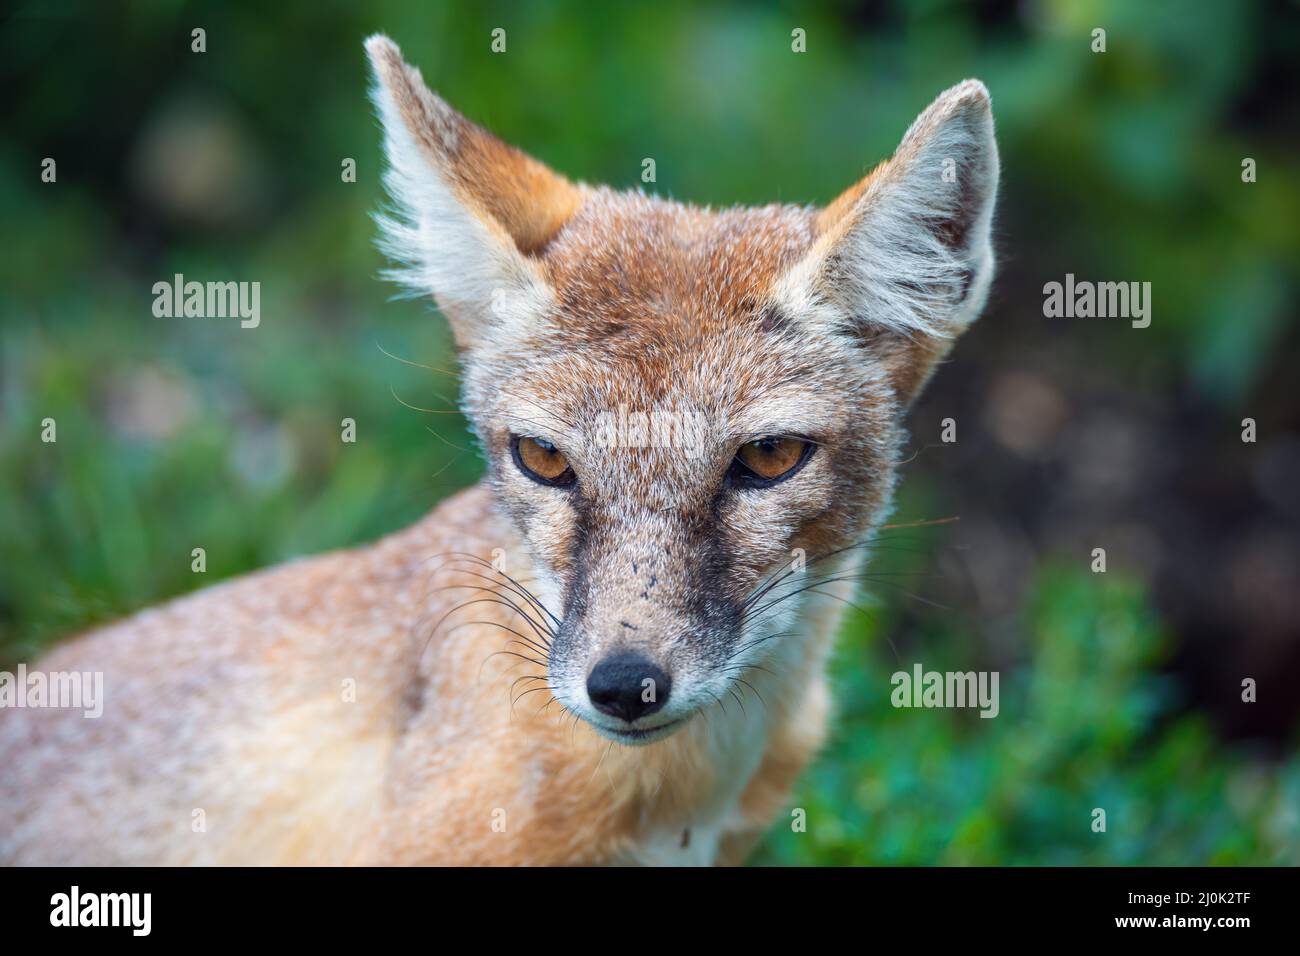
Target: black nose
x: 627, y: 685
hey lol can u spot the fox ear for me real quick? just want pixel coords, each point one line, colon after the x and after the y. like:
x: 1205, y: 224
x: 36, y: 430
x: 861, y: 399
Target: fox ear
x: 472, y: 212
x: 903, y: 258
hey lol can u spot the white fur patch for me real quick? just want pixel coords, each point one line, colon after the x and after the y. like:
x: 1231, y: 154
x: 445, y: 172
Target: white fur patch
x: 441, y: 245
x: 891, y: 269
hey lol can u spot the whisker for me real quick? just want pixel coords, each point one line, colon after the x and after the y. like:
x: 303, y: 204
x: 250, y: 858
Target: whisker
x: 416, y: 408
x: 531, y: 660
x: 541, y: 649
x: 496, y: 599
x: 741, y: 680
x: 494, y: 593
x: 738, y: 700
x: 431, y: 368
x: 523, y: 591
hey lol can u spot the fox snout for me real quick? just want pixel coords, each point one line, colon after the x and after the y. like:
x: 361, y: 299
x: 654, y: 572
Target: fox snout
x: 644, y: 629
x: 638, y: 683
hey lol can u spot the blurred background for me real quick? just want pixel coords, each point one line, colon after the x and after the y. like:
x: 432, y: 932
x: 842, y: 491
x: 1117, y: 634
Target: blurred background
x: 1120, y: 690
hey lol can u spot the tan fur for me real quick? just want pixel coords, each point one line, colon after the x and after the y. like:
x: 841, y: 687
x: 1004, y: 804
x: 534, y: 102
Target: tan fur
x: 404, y: 703
x: 250, y: 676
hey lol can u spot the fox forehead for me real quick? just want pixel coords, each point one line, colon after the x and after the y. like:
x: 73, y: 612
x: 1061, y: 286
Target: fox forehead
x: 653, y: 419
x: 665, y: 308
x: 599, y: 402
x: 626, y: 263
x: 658, y: 407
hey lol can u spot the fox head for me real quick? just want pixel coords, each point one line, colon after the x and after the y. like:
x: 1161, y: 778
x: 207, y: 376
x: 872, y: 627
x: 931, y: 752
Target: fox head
x: 691, y: 417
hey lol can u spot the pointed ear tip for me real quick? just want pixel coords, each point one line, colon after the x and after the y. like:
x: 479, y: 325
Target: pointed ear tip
x: 967, y: 95
x: 393, y: 72
x: 383, y: 52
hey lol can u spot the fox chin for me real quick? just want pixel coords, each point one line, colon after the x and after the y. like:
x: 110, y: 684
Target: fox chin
x: 613, y: 648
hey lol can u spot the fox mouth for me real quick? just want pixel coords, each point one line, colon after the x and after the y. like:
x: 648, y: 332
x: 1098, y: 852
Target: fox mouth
x: 639, y: 736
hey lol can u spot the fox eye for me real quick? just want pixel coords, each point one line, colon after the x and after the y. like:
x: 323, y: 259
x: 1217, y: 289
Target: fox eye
x: 541, y: 461
x: 769, y: 460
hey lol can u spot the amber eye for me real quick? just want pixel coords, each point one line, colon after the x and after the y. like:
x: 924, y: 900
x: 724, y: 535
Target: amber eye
x: 541, y: 461
x: 768, y: 460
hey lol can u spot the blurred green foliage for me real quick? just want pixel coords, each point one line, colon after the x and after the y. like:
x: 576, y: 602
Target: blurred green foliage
x: 226, y: 164
x: 1084, y: 724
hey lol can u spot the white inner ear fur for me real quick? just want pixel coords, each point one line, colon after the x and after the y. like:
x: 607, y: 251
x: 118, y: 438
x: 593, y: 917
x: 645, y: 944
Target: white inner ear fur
x: 889, y: 267
x: 443, y: 246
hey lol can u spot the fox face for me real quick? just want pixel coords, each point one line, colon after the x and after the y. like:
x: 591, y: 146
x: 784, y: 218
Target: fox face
x: 692, y: 418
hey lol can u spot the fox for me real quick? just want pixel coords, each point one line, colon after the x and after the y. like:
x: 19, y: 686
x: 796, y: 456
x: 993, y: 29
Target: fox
x: 609, y: 651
